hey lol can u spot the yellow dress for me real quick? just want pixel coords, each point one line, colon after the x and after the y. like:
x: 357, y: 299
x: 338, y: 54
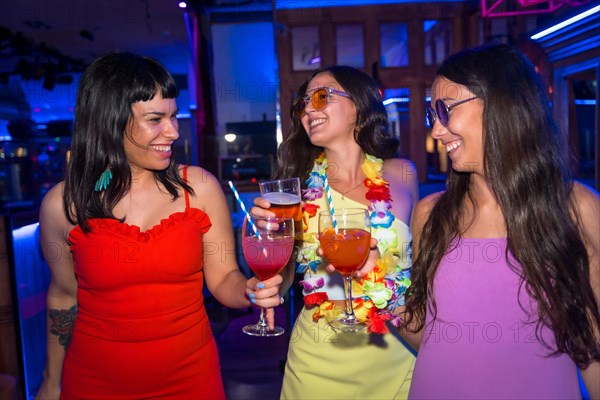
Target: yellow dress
x: 327, y: 364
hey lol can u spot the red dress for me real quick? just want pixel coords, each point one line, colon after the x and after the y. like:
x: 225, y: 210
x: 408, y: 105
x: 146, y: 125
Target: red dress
x: 141, y: 329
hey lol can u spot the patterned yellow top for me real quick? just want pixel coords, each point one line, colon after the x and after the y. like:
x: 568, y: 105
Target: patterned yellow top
x: 380, y: 291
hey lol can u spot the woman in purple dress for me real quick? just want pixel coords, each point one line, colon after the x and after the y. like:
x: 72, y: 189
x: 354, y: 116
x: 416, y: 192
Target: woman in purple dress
x: 506, y: 280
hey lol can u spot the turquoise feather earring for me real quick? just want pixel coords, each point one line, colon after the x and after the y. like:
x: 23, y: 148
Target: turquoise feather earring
x: 104, y: 180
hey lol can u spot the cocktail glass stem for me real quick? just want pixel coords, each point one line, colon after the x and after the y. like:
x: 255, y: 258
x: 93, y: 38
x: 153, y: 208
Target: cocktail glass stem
x: 261, y: 328
x: 350, y: 317
x: 262, y: 324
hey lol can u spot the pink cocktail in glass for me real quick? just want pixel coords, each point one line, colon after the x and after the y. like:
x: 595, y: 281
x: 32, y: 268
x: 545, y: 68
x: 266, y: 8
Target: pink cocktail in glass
x: 267, y: 257
x: 267, y: 243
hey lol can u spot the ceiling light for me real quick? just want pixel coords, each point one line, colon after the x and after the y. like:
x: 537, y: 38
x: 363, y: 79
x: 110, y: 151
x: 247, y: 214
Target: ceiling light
x: 566, y: 23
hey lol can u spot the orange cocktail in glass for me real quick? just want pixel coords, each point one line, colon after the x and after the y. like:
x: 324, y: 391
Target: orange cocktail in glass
x: 346, y: 250
x: 345, y: 238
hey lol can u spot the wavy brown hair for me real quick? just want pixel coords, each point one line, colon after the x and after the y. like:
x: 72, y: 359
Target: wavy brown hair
x: 297, y: 154
x: 106, y: 93
x: 526, y: 170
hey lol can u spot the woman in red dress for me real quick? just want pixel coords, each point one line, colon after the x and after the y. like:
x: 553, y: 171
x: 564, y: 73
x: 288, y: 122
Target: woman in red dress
x: 130, y: 238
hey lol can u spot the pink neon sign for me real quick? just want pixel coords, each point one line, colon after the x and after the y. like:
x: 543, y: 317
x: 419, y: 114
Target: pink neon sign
x: 507, y: 8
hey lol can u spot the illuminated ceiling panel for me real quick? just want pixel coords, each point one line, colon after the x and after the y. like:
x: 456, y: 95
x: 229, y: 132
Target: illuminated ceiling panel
x: 575, y: 35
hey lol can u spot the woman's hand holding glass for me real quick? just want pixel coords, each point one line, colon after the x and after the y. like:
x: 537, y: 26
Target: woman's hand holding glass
x: 266, y: 295
x: 261, y: 208
x: 283, y: 198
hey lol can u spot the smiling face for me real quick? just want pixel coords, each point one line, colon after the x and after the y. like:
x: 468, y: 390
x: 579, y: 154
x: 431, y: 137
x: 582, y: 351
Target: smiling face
x: 151, y: 132
x: 336, y: 121
x: 463, y: 137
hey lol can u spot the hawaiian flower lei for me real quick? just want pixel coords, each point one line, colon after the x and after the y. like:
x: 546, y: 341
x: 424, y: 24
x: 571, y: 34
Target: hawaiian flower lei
x: 381, y: 290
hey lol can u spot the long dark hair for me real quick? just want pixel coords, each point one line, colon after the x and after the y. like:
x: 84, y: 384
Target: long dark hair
x: 107, y: 90
x: 296, y: 154
x: 525, y: 168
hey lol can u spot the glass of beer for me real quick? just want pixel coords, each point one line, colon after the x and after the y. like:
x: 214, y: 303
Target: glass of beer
x: 284, y: 196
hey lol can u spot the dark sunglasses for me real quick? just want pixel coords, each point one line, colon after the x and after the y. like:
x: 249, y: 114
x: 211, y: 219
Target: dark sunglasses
x: 441, y: 111
x: 318, y: 99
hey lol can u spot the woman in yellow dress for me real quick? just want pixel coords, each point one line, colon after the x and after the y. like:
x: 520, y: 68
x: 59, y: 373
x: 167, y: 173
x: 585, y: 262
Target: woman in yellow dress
x: 339, y: 131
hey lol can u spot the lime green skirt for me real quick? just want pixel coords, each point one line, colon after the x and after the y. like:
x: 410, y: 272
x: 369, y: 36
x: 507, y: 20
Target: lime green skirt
x: 325, y: 364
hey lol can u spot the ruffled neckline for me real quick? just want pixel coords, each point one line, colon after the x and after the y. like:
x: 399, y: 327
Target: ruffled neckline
x: 134, y: 232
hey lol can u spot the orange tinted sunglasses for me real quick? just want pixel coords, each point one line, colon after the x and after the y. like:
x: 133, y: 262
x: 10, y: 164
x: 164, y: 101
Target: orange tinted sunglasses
x: 318, y: 99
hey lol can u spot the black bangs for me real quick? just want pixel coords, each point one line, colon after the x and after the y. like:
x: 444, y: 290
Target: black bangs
x: 149, y: 78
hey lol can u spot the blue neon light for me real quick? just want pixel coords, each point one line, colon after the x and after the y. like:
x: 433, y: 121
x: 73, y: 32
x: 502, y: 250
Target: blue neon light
x: 396, y: 100
x: 583, y: 102
x: 566, y: 23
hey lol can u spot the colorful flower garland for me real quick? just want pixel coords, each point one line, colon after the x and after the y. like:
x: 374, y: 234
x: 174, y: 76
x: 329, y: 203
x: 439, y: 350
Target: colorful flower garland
x: 379, y: 292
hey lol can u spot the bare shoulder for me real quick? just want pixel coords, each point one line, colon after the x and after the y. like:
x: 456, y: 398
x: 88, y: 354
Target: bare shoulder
x: 207, y: 188
x: 430, y: 200
x: 200, y: 179
x: 401, y: 170
x: 52, y: 214
x: 420, y: 217
x: 404, y: 186
x: 52, y: 204
x: 587, y: 203
x: 54, y: 194
x: 586, y: 198
x: 423, y: 208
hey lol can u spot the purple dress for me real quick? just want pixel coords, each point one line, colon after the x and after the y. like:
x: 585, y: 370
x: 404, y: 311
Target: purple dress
x: 482, y: 344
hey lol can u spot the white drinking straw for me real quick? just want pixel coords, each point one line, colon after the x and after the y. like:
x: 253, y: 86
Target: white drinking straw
x: 243, y: 207
x: 330, y: 201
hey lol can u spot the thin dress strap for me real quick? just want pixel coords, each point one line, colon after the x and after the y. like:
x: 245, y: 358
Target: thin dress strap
x: 187, y: 195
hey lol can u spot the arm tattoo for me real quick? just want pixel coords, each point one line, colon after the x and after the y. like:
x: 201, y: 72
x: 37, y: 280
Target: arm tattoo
x: 61, y: 324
